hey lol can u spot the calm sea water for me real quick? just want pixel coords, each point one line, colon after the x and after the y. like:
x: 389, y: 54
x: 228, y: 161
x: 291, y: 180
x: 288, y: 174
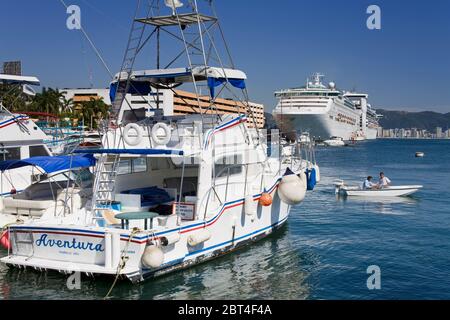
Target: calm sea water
x: 324, y: 250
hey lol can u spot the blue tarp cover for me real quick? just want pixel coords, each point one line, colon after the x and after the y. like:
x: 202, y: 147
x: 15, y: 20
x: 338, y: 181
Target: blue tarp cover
x: 51, y: 164
x: 133, y: 151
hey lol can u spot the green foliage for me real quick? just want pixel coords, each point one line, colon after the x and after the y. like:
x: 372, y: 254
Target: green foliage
x: 52, y: 101
x: 90, y: 112
x: 13, y: 98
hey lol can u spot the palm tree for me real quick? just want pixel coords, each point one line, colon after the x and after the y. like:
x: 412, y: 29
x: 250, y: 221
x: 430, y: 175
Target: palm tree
x: 49, y: 101
x: 93, y: 109
x: 13, y: 98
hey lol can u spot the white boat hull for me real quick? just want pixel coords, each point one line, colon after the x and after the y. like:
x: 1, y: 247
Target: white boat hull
x: 319, y: 126
x: 334, y: 143
x: 398, y: 191
x: 95, y: 250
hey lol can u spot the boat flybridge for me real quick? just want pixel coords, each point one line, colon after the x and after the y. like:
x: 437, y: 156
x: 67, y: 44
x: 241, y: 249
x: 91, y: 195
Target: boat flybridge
x: 21, y: 138
x: 171, y: 191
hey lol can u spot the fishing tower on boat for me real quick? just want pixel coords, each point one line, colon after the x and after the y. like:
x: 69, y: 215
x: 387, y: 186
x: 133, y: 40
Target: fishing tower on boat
x: 195, y: 34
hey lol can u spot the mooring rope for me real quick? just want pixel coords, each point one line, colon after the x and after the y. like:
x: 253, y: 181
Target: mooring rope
x: 6, y: 226
x: 123, y: 261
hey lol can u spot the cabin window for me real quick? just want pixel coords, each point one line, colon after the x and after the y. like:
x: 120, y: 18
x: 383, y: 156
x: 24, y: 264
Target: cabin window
x: 38, y: 151
x: 231, y: 165
x: 139, y: 165
x: 9, y: 154
x: 124, y: 167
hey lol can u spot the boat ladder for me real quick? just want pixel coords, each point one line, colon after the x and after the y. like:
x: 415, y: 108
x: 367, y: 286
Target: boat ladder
x: 25, y: 239
x: 133, y: 47
x: 104, y: 186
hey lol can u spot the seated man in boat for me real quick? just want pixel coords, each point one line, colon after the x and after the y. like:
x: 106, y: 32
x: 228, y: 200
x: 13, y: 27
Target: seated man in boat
x: 384, y: 181
x: 368, y: 184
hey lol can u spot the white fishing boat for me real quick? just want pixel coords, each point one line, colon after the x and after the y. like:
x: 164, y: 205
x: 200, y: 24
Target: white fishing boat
x: 20, y: 139
x: 170, y: 191
x: 390, y: 191
x: 334, y: 142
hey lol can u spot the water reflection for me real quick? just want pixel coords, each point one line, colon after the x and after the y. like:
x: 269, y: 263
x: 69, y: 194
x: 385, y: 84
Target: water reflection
x: 382, y: 205
x: 270, y: 269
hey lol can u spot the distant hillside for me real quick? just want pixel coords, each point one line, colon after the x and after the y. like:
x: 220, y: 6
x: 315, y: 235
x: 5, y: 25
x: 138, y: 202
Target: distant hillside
x: 421, y: 120
x: 399, y: 119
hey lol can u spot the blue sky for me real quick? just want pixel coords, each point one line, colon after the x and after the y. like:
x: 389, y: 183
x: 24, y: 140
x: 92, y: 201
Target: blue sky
x: 406, y: 65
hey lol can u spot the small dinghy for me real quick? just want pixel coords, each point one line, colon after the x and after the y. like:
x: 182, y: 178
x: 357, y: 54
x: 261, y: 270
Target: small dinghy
x: 391, y: 191
x: 420, y: 154
x: 335, y: 142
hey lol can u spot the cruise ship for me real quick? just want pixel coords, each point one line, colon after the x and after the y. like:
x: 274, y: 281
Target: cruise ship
x: 368, y: 122
x: 325, y: 112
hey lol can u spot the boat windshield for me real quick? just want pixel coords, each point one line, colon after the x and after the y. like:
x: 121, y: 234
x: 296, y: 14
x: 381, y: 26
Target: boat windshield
x: 82, y: 178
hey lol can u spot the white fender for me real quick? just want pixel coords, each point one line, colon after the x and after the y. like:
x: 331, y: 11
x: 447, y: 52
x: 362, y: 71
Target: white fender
x: 157, y: 139
x: 170, y: 239
x: 317, y: 173
x: 198, y: 237
x: 292, y: 189
x: 249, y: 206
x: 132, y: 141
x: 153, y: 257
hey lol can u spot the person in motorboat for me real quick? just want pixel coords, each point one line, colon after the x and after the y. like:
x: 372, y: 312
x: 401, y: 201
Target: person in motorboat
x: 384, y: 181
x: 369, y: 185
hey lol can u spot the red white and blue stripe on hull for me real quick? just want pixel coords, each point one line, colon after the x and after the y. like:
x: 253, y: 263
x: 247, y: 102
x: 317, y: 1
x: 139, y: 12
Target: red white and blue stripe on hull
x: 141, y: 239
x: 179, y: 262
x: 12, y: 121
x: 235, y: 122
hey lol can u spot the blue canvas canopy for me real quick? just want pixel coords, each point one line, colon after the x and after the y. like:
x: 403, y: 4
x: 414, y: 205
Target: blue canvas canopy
x: 141, y: 81
x: 136, y: 88
x: 51, y: 164
x: 215, y: 82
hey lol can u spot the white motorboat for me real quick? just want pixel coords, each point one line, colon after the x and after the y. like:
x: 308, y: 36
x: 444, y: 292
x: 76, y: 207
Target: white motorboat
x: 391, y: 191
x: 170, y: 192
x: 305, y: 138
x: 20, y: 139
x: 334, y: 142
x: 420, y: 154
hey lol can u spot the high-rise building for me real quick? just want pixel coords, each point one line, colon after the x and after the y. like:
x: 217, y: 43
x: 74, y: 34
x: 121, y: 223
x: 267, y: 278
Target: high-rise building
x: 12, y: 68
x: 438, y: 132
